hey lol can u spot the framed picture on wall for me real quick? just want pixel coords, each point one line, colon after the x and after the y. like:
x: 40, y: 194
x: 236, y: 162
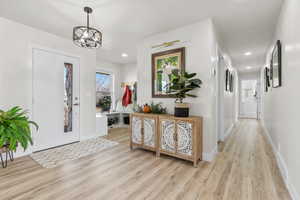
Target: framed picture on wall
x: 227, y: 80
x: 267, y: 79
x: 276, y: 65
x: 231, y: 82
x: 163, y: 63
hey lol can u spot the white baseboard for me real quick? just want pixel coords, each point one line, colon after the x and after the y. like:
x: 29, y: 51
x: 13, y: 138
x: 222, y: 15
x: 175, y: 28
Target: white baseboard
x: 21, y: 154
x: 211, y: 155
x: 294, y: 194
x: 249, y: 116
x: 282, y: 166
x: 20, y: 151
x: 82, y: 138
x: 227, y: 132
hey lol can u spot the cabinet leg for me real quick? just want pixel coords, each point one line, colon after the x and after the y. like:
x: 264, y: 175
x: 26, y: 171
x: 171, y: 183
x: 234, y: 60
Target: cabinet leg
x: 131, y: 147
x: 157, y: 154
x: 195, y: 163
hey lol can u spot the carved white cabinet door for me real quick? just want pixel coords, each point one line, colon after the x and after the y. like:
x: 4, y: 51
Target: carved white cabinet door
x: 168, y: 140
x: 136, y: 130
x: 184, y: 138
x: 149, y: 132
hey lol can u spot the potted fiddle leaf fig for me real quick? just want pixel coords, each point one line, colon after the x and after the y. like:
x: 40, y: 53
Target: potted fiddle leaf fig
x: 15, y: 129
x: 180, y: 87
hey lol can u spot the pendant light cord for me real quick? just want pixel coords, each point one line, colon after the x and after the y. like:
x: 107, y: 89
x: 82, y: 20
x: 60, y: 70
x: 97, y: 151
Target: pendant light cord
x: 88, y: 21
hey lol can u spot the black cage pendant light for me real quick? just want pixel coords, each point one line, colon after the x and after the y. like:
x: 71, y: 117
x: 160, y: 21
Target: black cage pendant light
x: 85, y: 36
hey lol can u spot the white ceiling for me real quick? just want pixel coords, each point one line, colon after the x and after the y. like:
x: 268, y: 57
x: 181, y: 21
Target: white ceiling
x: 244, y: 25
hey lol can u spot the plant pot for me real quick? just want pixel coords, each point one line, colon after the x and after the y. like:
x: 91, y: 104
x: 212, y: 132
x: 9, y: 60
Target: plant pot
x: 181, y: 110
x: 5, y: 146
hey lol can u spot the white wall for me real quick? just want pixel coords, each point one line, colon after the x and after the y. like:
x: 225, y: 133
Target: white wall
x: 16, y: 70
x: 129, y: 73
x: 281, y: 105
x: 228, y: 102
x: 201, y: 57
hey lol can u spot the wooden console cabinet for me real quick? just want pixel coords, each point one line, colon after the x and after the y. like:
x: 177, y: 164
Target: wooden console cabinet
x: 166, y: 134
x: 143, y: 131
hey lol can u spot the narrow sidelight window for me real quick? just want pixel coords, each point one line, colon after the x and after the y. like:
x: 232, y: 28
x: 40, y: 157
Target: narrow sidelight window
x: 68, y: 97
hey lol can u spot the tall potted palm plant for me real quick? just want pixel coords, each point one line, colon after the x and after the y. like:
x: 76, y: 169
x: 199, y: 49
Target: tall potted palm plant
x: 14, y: 130
x: 181, y: 85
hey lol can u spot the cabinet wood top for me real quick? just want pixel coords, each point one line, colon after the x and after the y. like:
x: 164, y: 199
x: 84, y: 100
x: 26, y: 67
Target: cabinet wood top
x: 168, y: 116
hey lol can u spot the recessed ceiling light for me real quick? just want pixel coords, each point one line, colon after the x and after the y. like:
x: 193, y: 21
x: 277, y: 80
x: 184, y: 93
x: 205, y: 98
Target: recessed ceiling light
x: 124, y: 55
x: 248, y: 53
x: 248, y: 67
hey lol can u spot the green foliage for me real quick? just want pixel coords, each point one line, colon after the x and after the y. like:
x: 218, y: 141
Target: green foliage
x: 15, y: 128
x: 172, y: 60
x: 104, y: 103
x: 156, y: 108
x: 182, y: 84
x: 159, y: 82
x: 161, y: 65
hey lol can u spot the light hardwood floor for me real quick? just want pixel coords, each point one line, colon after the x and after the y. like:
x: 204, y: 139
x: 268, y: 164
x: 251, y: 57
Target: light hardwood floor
x: 244, y: 169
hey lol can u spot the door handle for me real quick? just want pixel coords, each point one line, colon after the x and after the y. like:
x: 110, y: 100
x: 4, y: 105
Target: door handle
x: 76, y: 104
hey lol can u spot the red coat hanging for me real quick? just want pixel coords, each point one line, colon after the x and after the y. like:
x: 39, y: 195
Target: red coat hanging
x: 127, y: 97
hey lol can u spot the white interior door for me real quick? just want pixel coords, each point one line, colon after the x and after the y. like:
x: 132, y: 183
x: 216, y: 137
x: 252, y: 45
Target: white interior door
x: 55, y: 99
x: 248, y: 99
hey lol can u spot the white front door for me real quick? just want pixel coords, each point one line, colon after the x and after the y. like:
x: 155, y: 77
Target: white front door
x: 248, y: 99
x: 55, y: 99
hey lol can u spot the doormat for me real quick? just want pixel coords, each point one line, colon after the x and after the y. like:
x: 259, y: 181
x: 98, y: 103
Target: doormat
x: 60, y: 155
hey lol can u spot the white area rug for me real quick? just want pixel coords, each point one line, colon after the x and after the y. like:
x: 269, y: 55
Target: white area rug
x: 57, y: 156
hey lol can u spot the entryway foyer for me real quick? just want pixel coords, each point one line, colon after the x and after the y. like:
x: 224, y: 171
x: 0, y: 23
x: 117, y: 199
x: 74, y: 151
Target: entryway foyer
x: 139, y: 99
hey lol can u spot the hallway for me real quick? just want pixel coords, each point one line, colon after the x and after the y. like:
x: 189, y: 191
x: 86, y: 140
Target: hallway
x: 249, y: 166
x: 244, y: 169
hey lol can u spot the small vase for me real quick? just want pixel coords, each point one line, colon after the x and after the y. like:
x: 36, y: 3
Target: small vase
x: 181, y: 110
